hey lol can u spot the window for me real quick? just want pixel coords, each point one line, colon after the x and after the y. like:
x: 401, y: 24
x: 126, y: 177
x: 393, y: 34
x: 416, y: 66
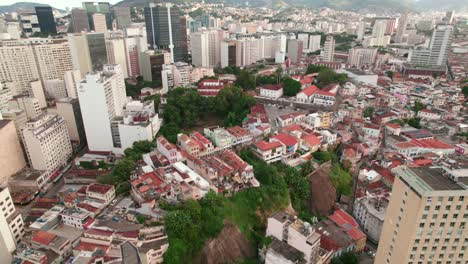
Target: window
x: 437, y: 207
x: 421, y: 225
x: 426, y: 208
x: 447, y: 207
x: 450, y: 199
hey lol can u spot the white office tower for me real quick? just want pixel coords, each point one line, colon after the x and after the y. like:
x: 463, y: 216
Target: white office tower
x: 102, y: 97
x: 167, y: 78
x: 17, y: 64
x: 305, y: 41
x: 202, y: 52
x: 72, y: 79
x: 11, y: 226
x: 29, y: 105
x: 47, y: 143
x: 53, y: 59
x: 328, y: 51
x: 380, y: 26
x: 314, y: 42
x: 116, y: 53
x: 437, y: 53
x: 55, y: 89
x: 401, y: 30
x: 360, y: 30
x: 140, y: 122
x: 362, y: 57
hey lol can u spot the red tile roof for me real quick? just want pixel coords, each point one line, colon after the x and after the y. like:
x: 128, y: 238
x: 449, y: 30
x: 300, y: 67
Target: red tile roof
x: 272, y: 87
x: 265, y: 146
x: 99, y: 188
x: 347, y: 223
x: 287, y: 140
x: 309, y: 90
x: 90, y: 247
x: 43, y: 237
x: 311, y: 140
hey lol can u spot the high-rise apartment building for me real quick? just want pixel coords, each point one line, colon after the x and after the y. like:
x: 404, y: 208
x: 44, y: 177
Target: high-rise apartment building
x: 426, y: 218
x: 53, y: 59
x: 116, y: 53
x: 200, y: 46
x: 79, y: 49
x: 55, y: 89
x: 360, y: 30
x: 295, y: 49
x: 79, y: 20
x: 69, y: 110
x: 5, y: 95
x: 379, y: 29
x: 102, y: 97
x: 47, y: 143
x: 11, y: 226
x: 314, y: 42
x: 122, y: 16
x: 401, y: 30
x: 362, y: 57
x: 166, y: 29
x: 99, y: 22
x: 437, y: 53
x: 134, y: 45
x: 328, y: 51
x: 71, y: 79
x: 46, y: 19
x: 11, y: 156
x: 17, y: 64
x: 304, y: 37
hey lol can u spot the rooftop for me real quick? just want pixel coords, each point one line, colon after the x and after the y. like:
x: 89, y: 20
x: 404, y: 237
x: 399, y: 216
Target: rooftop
x: 427, y: 179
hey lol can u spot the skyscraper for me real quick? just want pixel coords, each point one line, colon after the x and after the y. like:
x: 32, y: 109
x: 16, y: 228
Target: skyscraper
x: 79, y: 20
x: 379, y: 29
x: 328, y: 51
x: 449, y: 17
x: 295, y: 49
x: 122, y: 16
x: 401, y: 30
x: 46, y: 19
x: 360, y: 30
x: 166, y: 30
x: 98, y: 7
x: 115, y: 48
x: 97, y: 50
x: 437, y: 53
x: 314, y: 42
x: 102, y: 97
x: 99, y: 22
x: 425, y: 221
x: 360, y: 57
x: 11, y: 156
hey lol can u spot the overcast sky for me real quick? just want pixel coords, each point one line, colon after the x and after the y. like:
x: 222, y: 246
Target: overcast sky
x: 56, y: 3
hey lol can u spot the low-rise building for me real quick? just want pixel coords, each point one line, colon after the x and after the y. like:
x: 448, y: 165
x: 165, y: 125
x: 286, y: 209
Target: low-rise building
x: 220, y: 137
x: 168, y: 150
x: 76, y: 217
x: 102, y: 192
x: 268, y: 151
x: 370, y: 214
x: 271, y: 91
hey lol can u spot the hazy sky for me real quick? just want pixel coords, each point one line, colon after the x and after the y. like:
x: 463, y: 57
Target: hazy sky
x: 56, y: 3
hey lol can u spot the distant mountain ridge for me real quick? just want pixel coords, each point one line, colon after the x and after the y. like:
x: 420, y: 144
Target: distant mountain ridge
x: 352, y: 5
x: 23, y: 6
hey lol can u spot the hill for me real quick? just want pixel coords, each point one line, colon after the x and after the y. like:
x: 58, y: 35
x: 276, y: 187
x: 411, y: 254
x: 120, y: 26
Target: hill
x: 22, y: 6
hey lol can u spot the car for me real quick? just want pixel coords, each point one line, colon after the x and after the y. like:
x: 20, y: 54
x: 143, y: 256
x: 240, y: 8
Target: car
x: 371, y: 253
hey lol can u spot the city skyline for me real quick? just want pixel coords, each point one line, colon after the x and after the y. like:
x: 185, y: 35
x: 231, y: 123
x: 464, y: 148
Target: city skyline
x: 58, y: 4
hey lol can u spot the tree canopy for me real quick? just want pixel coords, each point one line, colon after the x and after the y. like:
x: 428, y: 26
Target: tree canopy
x: 291, y: 87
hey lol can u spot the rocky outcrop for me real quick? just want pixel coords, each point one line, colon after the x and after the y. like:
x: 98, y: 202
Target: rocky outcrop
x: 323, y: 194
x: 230, y: 246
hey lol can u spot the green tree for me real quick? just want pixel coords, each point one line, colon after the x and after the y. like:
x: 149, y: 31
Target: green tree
x: 291, y: 87
x: 312, y: 68
x: 346, y: 258
x: 322, y: 156
x: 415, y: 122
x: 341, y: 179
x: 246, y: 80
x: 141, y: 218
x: 329, y: 76
x: 418, y: 106
x: 369, y: 111
x: 465, y: 91
x: 390, y: 74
